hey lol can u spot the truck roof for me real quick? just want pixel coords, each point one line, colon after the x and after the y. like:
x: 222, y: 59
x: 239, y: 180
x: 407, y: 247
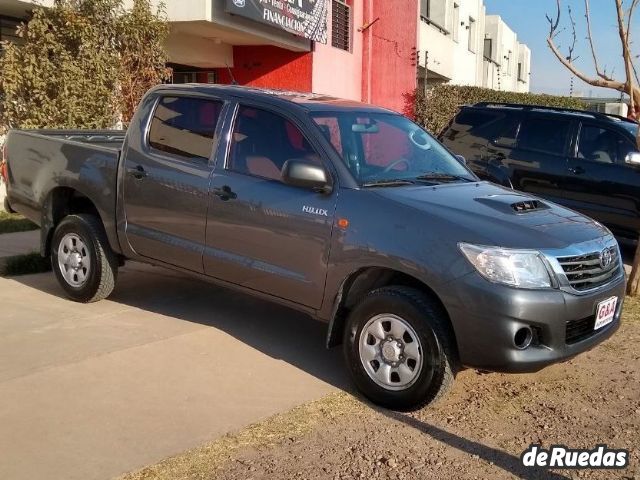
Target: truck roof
x: 308, y: 101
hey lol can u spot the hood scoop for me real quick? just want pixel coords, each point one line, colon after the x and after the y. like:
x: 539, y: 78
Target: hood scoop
x: 513, y: 203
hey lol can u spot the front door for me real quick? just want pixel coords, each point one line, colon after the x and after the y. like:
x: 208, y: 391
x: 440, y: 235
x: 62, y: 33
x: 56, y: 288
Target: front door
x: 166, y: 181
x: 261, y: 233
x: 600, y: 184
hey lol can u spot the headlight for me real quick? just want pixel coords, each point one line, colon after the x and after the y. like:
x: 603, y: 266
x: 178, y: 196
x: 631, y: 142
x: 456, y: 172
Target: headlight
x: 517, y: 268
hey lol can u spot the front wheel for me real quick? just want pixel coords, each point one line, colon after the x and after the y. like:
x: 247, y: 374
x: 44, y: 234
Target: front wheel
x: 399, y: 348
x: 82, y: 259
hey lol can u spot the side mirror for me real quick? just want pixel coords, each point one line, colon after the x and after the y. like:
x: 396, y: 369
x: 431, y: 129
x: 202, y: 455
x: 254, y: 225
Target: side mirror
x: 461, y: 159
x: 305, y: 174
x: 633, y: 159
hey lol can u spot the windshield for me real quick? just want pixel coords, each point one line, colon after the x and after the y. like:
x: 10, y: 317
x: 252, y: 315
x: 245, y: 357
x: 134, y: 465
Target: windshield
x: 386, y: 148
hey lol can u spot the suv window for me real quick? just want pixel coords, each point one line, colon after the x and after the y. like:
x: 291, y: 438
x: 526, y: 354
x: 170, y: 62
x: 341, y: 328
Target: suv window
x: 544, y: 134
x: 602, y: 145
x: 472, y: 120
x: 263, y: 141
x: 185, y: 126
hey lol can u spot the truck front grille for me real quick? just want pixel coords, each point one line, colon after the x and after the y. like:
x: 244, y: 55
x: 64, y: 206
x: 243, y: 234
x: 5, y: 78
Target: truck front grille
x: 585, y: 272
x: 578, y: 330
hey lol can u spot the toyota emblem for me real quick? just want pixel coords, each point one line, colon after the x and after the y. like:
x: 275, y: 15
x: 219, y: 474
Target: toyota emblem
x: 606, y: 258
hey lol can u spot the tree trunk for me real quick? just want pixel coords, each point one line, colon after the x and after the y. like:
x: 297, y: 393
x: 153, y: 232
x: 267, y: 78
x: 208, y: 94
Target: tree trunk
x: 633, y: 287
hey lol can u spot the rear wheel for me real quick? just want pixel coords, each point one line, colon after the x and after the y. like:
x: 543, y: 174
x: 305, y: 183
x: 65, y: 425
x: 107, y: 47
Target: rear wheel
x: 82, y: 259
x: 399, y: 348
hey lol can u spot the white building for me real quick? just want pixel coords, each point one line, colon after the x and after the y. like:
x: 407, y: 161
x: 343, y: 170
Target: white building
x: 459, y: 43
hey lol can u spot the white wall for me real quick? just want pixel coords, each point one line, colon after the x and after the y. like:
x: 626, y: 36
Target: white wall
x: 507, y: 53
x: 347, y: 65
x: 450, y: 57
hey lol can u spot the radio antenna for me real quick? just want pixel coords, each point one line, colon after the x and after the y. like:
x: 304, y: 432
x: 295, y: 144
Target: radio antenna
x: 233, y: 79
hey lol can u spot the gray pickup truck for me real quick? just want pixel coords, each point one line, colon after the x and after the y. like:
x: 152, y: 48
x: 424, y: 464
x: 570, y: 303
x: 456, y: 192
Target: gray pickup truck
x: 345, y: 211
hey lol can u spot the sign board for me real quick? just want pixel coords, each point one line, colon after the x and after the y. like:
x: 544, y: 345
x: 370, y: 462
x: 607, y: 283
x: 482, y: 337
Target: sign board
x: 305, y: 18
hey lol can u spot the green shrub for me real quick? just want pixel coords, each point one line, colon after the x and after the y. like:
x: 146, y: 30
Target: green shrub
x: 82, y: 64
x: 435, y: 110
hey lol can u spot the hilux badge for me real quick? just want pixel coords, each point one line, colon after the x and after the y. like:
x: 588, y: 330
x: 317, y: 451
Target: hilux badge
x: 315, y: 211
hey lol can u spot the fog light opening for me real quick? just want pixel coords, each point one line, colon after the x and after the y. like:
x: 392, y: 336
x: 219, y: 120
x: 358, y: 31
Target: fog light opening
x: 523, y: 337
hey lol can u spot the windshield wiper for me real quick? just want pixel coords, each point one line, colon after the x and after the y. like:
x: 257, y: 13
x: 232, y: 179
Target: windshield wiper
x: 388, y: 183
x: 443, y: 177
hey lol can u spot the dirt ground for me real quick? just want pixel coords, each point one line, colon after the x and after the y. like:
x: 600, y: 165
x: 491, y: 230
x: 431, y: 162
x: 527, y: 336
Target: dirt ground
x: 478, y: 431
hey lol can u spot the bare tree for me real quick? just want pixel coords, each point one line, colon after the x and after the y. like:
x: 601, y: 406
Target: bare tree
x: 629, y: 84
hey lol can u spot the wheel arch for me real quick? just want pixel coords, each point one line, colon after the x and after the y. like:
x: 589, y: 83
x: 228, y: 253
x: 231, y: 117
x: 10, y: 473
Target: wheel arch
x: 363, y: 281
x: 61, y: 202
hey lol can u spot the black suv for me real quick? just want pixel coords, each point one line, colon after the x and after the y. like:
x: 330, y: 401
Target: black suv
x: 587, y: 161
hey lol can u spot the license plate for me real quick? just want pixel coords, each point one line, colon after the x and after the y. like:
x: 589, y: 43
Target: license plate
x: 605, y: 312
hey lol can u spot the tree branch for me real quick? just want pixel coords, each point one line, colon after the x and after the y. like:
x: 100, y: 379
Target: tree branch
x: 602, y: 81
x: 626, y: 54
x: 601, y: 73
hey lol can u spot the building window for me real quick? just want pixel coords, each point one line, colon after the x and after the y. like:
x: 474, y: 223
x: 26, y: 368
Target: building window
x: 456, y: 22
x: 425, y: 8
x: 184, y: 77
x: 520, y: 75
x: 488, y: 49
x: 472, y: 34
x: 341, y: 25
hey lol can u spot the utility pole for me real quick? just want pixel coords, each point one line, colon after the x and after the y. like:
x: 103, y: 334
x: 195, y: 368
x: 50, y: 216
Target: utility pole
x: 426, y: 70
x: 571, y: 87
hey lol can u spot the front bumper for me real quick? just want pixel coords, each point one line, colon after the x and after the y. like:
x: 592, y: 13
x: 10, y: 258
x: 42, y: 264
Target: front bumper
x: 486, y: 317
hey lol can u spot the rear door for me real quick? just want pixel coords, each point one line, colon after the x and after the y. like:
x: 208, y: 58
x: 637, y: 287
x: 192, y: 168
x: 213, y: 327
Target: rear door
x: 261, y: 233
x: 468, y: 134
x: 599, y: 183
x: 538, y: 163
x: 166, y: 180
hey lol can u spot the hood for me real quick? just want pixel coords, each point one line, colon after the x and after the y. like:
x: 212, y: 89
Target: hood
x: 487, y: 214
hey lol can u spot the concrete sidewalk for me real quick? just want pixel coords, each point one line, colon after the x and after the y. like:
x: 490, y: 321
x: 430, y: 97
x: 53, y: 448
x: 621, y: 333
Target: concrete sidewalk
x: 92, y: 391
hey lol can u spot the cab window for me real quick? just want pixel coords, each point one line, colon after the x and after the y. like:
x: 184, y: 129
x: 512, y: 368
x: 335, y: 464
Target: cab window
x: 548, y: 135
x: 263, y: 141
x: 185, y: 126
x: 602, y: 145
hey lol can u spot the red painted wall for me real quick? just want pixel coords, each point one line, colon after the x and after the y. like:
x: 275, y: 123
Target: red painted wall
x: 271, y: 67
x: 388, y: 76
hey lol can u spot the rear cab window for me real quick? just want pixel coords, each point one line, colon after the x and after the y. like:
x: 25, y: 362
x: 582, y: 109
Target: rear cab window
x: 185, y: 126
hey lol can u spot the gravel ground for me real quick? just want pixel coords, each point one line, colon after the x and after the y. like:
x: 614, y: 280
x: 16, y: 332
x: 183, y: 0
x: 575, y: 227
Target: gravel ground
x: 479, y: 431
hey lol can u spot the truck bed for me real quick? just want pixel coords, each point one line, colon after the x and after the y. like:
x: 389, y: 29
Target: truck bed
x: 46, y: 163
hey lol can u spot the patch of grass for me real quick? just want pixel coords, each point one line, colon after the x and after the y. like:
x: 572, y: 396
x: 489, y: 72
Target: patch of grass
x: 25, y: 265
x: 202, y: 462
x: 13, y: 222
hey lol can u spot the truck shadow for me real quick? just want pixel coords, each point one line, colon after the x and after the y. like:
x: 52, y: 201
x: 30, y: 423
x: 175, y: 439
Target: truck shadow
x: 274, y: 330
x: 499, y: 458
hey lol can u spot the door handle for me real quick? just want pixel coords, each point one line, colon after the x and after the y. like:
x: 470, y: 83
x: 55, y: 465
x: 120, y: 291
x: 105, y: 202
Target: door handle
x: 137, y: 172
x: 577, y: 170
x: 224, y: 193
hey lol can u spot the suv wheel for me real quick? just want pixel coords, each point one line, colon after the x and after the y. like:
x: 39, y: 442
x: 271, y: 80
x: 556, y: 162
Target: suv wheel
x: 82, y: 259
x: 399, y: 348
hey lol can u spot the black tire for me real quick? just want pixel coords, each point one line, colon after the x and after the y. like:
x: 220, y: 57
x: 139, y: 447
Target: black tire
x: 101, y: 276
x: 431, y: 324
